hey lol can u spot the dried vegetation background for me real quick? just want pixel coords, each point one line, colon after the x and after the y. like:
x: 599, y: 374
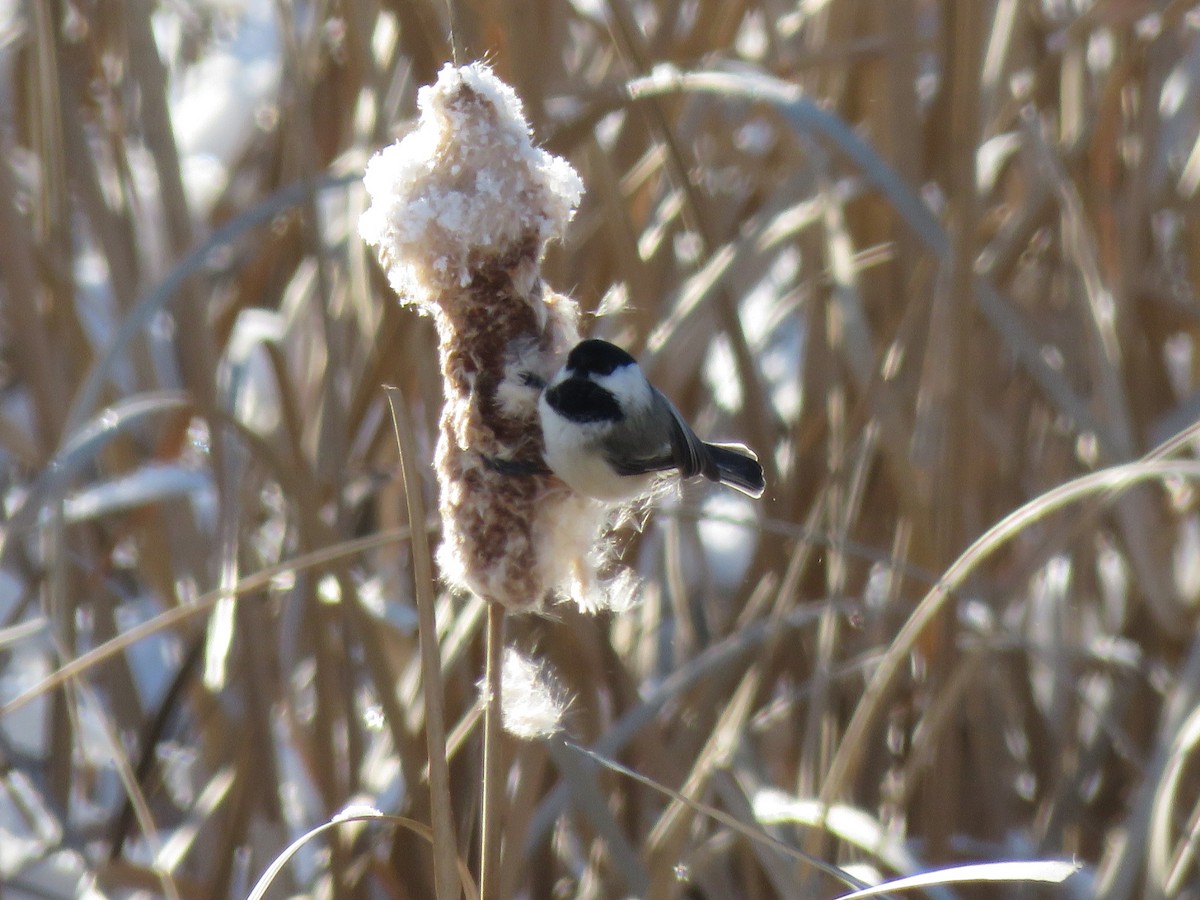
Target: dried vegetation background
x: 956, y: 269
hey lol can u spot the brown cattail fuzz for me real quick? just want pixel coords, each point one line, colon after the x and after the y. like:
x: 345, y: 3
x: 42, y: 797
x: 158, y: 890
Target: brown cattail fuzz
x: 461, y: 210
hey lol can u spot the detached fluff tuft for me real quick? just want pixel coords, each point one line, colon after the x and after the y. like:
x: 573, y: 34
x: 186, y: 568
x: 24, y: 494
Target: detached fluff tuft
x: 532, y: 703
x: 461, y: 210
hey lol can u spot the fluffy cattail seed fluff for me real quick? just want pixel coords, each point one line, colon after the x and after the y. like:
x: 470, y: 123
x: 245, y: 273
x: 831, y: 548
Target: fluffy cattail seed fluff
x: 461, y: 210
x: 532, y: 702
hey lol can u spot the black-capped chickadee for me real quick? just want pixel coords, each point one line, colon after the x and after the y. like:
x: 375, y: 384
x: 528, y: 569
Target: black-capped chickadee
x: 609, y: 432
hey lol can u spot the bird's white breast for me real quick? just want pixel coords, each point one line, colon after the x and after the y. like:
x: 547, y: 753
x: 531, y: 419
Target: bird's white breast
x: 573, y: 454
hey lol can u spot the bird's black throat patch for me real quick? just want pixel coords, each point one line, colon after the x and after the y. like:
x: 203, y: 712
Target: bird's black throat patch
x: 581, y: 400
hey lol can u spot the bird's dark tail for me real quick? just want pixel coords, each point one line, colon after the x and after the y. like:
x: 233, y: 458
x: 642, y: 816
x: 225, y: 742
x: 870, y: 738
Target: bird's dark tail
x: 738, y: 467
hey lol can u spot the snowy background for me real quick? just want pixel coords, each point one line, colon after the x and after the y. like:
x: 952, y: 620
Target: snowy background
x: 930, y: 260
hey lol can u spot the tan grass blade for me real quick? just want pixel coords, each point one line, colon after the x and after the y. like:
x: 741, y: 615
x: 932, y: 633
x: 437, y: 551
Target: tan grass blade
x: 445, y: 842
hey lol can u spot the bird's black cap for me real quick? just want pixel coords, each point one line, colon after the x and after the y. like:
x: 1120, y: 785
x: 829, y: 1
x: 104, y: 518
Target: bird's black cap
x: 597, y: 357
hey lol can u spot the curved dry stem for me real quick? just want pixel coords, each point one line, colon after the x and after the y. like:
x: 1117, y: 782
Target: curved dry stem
x: 203, y: 605
x: 418, y: 828
x: 717, y: 815
x: 1114, y: 480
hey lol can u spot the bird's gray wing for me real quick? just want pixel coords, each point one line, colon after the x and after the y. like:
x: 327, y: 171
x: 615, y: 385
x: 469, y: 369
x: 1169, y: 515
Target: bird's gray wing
x: 691, y: 456
x: 666, y: 442
x: 679, y: 448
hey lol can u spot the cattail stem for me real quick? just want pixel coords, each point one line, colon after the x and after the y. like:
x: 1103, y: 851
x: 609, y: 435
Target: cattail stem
x: 493, y: 756
x: 445, y: 845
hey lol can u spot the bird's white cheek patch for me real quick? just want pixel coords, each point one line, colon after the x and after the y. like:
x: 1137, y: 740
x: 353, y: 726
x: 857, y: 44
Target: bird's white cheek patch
x: 629, y: 386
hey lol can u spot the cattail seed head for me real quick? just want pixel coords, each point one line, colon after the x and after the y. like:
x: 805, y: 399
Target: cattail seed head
x: 461, y: 210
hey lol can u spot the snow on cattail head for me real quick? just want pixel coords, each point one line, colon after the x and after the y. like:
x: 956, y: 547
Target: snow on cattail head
x: 468, y: 181
x: 461, y: 210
